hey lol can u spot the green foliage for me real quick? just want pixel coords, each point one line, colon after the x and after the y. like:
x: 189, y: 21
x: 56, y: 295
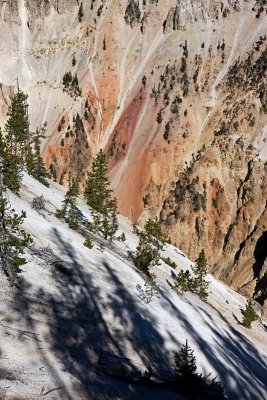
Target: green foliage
x: 98, y: 184
x: 71, y: 85
x: 183, y: 281
x: 185, y: 364
x: 35, y: 164
x: 122, y: 237
x: 14, y: 145
x: 20, y: 148
x: 199, y: 283
x: 88, y: 243
x: 68, y: 212
x: 11, y: 166
x: 17, y: 126
x: 98, y: 195
x: 196, y: 283
x: 13, y: 239
x: 168, y: 261
x: 249, y: 315
x: 151, y: 242
x: 159, y: 118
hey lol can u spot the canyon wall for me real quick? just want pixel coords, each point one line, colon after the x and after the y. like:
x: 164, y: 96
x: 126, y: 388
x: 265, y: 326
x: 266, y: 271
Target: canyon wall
x: 175, y: 92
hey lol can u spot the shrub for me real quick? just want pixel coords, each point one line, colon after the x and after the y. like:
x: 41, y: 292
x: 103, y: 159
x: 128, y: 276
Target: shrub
x: 88, y: 243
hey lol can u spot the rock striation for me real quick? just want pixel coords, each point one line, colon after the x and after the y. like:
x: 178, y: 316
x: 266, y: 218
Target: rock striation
x: 175, y: 92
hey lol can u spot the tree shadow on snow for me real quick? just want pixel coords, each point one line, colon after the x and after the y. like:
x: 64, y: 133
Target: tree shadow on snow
x: 240, y: 368
x: 80, y: 331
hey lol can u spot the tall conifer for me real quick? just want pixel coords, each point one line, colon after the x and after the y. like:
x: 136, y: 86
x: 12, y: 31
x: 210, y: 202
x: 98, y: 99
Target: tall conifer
x: 16, y: 141
x: 34, y: 162
x: 69, y: 207
x: 249, y: 315
x: 199, y: 283
x: 13, y: 239
x: 185, y: 363
x: 98, y: 195
x: 151, y: 241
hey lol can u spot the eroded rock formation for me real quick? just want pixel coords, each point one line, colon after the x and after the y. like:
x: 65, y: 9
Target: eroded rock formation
x: 176, y: 94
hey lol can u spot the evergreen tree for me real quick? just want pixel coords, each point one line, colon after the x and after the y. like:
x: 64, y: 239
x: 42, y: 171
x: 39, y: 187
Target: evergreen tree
x: 68, y: 212
x: 249, y: 315
x: 80, y: 12
x: 13, y: 239
x: 151, y: 242
x: 185, y: 364
x: 200, y: 284
x: 34, y: 162
x: 183, y: 281
x: 17, y: 126
x: 11, y: 167
x: 16, y: 141
x: 98, y: 195
x: 88, y: 243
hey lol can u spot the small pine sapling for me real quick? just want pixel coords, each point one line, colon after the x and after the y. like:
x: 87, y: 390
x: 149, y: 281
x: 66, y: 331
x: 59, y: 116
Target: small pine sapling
x: 151, y: 241
x: 68, y: 212
x: 185, y: 369
x: 122, y: 237
x: 169, y: 262
x: 98, y: 195
x: 249, y: 315
x: 183, y: 281
x: 199, y: 283
x: 34, y: 161
x: 88, y: 243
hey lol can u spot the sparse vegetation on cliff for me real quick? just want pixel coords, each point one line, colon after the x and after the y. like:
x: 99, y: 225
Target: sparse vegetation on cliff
x: 71, y: 85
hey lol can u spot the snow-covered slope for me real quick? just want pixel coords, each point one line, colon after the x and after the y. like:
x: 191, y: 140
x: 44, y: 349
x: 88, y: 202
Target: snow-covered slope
x: 56, y: 326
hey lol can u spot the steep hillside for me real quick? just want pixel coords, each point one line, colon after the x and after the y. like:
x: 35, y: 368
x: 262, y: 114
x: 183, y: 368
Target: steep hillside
x: 175, y: 91
x: 77, y: 306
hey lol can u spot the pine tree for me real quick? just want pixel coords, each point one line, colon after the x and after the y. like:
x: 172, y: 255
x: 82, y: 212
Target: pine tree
x: 98, y: 195
x: 80, y: 12
x: 11, y: 168
x: 200, y: 284
x: 13, y: 239
x: 34, y: 162
x: 68, y: 212
x: 88, y: 243
x: 183, y: 281
x: 249, y: 315
x: 17, y: 126
x: 16, y: 142
x: 151, y: 242
x: 185, y: 364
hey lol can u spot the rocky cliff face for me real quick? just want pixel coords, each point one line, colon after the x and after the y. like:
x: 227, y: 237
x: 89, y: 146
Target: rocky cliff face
x: 175, y: 91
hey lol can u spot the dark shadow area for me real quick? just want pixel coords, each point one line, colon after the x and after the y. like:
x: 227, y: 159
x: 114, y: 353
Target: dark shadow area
x: 240, y: 355
x: 79, y: 334
x: 23, y: 304
x: 260, y: 254
x: 86, y: 321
